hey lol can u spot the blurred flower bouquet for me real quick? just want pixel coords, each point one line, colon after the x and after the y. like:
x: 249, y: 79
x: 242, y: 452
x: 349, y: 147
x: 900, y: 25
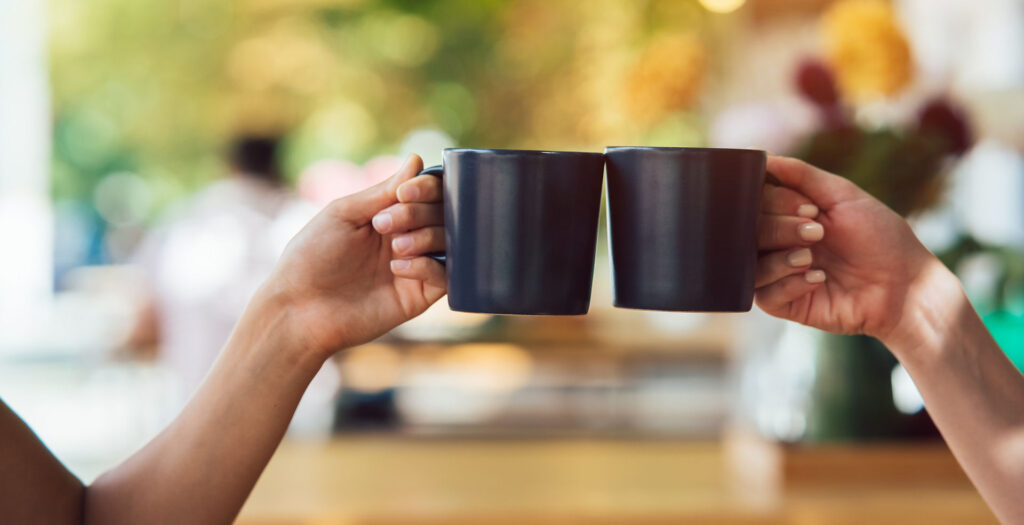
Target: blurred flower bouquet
x: 868, y: 57
x: 902, y: 165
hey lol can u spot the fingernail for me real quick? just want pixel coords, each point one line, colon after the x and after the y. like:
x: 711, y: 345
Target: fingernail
x: 400, y: 264
x: 401, y: 244
x: 811, y: 232
x: 801, y: 257
x: 382, y: 222
x: 408, y: 192
x: 815, y: 276
x: 809, y: 211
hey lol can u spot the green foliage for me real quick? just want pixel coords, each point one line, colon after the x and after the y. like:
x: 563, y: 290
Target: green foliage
x: 903, y: 169
x: 157, y: 88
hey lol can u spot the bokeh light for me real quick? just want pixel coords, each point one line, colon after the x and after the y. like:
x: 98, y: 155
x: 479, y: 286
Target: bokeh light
x: 371, y: 368
x: 123, y: 198
x: 722, y: 6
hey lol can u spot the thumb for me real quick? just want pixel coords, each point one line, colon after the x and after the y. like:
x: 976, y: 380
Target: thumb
x: 361, y: 207
x: 822, y: 187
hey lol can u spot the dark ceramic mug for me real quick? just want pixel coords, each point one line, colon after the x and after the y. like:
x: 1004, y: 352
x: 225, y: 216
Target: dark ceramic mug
x: 520, y: 229
x: 683, y: 227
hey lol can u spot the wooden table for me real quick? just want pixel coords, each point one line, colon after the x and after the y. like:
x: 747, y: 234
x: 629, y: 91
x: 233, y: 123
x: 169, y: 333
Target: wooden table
x: 385, y: 480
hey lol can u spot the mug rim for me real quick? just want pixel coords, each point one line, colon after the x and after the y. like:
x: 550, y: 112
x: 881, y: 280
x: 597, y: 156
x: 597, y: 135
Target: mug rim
x: 677, y: 149
x: 503, y: 151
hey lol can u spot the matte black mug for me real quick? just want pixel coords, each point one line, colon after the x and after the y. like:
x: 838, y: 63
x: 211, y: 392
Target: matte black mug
x: 683, y: 227
x: 520, y: 229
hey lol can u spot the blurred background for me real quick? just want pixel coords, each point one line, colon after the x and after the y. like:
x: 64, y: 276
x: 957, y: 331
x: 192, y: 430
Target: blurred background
x: 155, y: 157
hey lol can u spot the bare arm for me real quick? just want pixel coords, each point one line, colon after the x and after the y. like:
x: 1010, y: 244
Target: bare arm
x: 868, y: 274
x: 202, y: 467
x: 336, y: 286
x: 973, y: 392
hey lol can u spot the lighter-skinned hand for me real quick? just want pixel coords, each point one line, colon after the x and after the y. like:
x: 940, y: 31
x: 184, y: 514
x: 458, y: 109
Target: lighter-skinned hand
x: 834, y: 257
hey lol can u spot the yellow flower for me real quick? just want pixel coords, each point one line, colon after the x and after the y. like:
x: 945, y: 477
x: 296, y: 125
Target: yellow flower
x: 867, y: 48
x: 668, y: 76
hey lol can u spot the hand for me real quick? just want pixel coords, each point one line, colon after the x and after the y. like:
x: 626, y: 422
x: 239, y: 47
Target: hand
x: 356, y: 270
x: 835, y: 258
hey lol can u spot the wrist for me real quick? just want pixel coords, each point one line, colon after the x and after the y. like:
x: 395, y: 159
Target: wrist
x: 932, y: 312
x: 270, y: 331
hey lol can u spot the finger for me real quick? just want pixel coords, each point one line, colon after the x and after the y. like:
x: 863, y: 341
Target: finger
x: 778, y: 200
x: 359, y: 208
x: 423, y: 269
x: 781, y: 264
x: 782, y: 231
x: 407, y: 217
x: 420, y: 189
x: 778, y: 295
x: 822, y: 187
x: 419, y: 242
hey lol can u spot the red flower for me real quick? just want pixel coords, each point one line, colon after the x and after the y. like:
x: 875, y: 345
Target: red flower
x: 941, y: 119
x: 815, y: 81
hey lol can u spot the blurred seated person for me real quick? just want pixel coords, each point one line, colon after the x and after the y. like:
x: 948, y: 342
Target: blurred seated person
x: 206, y: 260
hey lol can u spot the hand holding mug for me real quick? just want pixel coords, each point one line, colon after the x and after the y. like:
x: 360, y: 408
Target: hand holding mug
x: 338, y: 277
x: 520, y: 228
x: 835, y: 258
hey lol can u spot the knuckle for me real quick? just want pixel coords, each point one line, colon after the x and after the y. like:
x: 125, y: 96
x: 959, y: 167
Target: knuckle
x: 421, y: 240
x: 337, y: 207
x: 429, y: 236
x: 437, y: 237
x: 775, y: 232
x: 403, y: 214
x: 415, y: 213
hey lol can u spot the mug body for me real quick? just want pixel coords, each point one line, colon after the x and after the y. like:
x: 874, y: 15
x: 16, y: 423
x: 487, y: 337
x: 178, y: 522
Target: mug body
x: 683, y: 227
x: 521, y: 230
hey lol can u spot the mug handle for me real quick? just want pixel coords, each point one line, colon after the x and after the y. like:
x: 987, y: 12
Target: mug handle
x: 436, y: 171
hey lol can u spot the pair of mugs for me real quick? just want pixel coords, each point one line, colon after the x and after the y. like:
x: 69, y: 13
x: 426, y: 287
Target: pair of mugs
x: 521, y: 228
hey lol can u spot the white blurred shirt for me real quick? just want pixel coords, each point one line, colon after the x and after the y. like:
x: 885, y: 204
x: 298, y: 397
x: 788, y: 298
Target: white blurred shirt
x: 204, y: 264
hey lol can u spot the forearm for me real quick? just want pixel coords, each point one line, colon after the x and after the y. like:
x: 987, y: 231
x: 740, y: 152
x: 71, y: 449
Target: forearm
x: 203, y: 466
x: 972, y: 391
